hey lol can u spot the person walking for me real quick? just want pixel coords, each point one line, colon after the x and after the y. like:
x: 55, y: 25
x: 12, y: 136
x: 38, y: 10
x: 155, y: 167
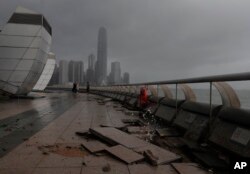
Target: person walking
x: 87, y: 87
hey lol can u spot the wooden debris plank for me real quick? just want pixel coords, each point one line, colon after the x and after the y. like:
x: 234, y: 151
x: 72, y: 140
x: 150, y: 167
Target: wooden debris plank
x: 167, y: 132
x: 188, y: 168
x: 115, y: 136
x: 173, y: 142
x: 157, y: 155
x: 126, y: 155
x: 137, y: 129
x: 94, y: 146
x: 147, y: 169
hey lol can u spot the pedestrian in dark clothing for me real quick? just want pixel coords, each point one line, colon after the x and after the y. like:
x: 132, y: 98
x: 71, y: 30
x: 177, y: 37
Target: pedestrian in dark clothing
x: 87, y: 87
x: 74, y: 89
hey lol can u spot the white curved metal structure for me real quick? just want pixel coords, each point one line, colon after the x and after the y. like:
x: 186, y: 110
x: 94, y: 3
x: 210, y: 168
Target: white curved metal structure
x: 24, y: 46
x: 47, y: 73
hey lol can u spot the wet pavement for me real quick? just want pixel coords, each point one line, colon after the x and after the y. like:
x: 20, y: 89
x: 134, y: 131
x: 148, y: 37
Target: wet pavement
x: 54, y: 122
x: 42, y: 138
x: 18, y: 128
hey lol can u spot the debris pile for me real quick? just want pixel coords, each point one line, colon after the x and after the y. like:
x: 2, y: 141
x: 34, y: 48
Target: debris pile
x: 64, y: 150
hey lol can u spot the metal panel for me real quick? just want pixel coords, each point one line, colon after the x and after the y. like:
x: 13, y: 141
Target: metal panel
x: 19, y: 41
x: 21, y: 29
x: 8, y: 64
x: 24, y: 65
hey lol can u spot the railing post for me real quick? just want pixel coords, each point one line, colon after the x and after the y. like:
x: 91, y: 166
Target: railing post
x: 176, y: 93
x: 210, y: 104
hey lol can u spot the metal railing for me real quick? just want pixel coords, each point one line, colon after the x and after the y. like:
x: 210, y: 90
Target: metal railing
x: 217, y: 80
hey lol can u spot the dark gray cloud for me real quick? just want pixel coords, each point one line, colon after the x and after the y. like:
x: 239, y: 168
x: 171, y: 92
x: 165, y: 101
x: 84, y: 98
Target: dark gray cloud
x: 153, y: 40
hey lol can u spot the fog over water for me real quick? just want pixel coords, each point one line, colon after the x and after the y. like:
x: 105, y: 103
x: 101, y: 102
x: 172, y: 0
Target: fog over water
x: 153, y: 40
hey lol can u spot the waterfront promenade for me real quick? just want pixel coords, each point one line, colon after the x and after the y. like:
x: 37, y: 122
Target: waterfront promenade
x: 78, y: 113
x: 39, y: 137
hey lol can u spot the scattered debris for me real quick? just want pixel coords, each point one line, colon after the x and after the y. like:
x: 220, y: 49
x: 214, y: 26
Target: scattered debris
x: 25, y: 139
x: 4, y: 125
x: 85, y: 134
x: 160, y: 155
x: 138, y: 129
x: 45, y: 153
x: 3, y: 149
x: 133, y: 121
x: 126, y: 155
x: 64, y: 150
x: 106, y: 168
x: 167, y: 132
x: 132, y: 113
x: 94, y: 146
x: 114, y: 136
x: 173, y: 142
x: 149, y: 155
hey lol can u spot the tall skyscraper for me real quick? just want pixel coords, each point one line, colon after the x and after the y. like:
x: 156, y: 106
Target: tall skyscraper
x: 101, y: 69
x: 125, y: 78
x: 76, y: 72
x: 63, y: 72
x: 90, y: 74
x: 71, y: 71
x: 115, y: 74
x: 91, y: 61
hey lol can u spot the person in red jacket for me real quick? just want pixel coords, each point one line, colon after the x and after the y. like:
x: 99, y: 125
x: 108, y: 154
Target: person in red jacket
x: 143, y: 98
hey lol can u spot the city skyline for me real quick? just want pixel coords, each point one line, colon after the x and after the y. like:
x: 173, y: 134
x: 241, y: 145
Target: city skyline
x: 96, y: 69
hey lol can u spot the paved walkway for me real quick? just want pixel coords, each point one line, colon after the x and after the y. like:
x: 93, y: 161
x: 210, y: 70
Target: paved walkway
x: 52, y: 146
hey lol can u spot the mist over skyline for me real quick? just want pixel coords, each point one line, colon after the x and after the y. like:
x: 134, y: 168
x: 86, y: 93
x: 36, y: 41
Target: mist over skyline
x: 153, y: 40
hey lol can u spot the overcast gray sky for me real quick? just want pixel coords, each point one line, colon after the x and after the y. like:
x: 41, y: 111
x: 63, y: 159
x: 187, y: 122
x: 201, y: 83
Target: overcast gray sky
x: 153, y: 39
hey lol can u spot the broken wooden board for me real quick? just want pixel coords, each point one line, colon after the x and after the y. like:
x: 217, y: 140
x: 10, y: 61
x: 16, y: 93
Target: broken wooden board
x: 114, y: 136
x: 173, y: 142
x: 94, y: 146
x: 210, y: 160
x: 147, y: 169
x: 133, y: 121
x: 158, y: 154
x: 137, y: 129
x: 167, y: 132
x: 188, y: 168
x: 126, y: 155
x: 127, y: 112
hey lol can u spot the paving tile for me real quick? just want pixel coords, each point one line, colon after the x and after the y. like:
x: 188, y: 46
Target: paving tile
x: 101, y: 170
x: 54, y: 160
x: 161, y: 155
x: 138, y: 129
x: 187, y: 168
x: 125, y: 154
x: 147, y: 169
x: 93, y: 161
x: 20, y: 160
x: 115, y: 136
x: 94, y: 146
x: 57, y: 171
x: 16, y: 171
